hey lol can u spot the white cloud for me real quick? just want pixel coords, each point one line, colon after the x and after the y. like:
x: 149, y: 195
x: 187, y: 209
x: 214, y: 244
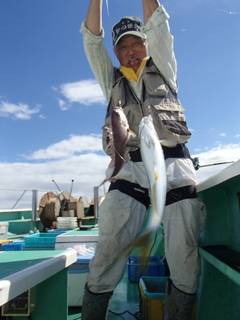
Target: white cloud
x: 77, y: 157
x: 227, y: 152
x: 230, y: 12
x: 86, y: 92
x: 221, y: 153
x: 222, y: 134
x: 18, y: 111
x: 87, y: 170
x: 69, y: 147
x: 63, y: 104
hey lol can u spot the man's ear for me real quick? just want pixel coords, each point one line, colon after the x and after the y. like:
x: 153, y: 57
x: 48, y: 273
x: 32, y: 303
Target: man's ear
x: 116, y: 51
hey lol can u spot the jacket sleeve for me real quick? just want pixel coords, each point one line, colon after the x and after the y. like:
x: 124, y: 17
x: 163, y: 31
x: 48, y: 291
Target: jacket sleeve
x: 160, y: 45
x: 99, y: 60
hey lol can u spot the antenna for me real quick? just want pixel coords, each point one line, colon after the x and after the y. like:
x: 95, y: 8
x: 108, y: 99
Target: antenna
x: 62, y: 193
x: 56, y: 185
x: 71, y: 188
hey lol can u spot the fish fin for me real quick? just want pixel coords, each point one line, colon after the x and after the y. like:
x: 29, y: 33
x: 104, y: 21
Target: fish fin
x: 145, y: 244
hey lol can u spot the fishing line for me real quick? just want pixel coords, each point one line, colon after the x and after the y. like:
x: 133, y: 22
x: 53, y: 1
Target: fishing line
x: 107, y: 6
x: 120, y: 156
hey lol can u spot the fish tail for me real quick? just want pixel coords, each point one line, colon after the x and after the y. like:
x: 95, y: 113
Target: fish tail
x: 144, y: 243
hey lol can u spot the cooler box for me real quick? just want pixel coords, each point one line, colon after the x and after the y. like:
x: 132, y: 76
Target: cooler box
x: 77, y: 275
x: 152, y: 296
x: 13, y: 246
x: 2, y: 242
x: 156, y: 266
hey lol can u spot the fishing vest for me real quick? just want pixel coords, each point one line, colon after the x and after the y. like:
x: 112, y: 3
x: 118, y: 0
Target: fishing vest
x: 158, y: 99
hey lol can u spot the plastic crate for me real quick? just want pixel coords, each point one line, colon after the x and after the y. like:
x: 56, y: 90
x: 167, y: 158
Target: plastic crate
x: 152, y: 296
x: 2, y: 242
x: 45, y: 240
x: 156, y: 267
x: 13, y: 246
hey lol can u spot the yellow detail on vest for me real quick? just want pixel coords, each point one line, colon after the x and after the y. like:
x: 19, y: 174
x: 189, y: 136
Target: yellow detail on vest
x: 130, y: 74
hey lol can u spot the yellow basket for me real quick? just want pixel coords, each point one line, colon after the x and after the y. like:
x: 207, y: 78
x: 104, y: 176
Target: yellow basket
x: 152, y: 293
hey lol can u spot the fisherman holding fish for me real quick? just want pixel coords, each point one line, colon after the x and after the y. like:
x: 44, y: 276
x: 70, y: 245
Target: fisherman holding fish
x: 144, y: 84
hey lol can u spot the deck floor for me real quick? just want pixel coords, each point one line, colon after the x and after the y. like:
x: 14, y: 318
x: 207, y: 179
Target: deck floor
x: 123, y: 304
x: 125, y: 300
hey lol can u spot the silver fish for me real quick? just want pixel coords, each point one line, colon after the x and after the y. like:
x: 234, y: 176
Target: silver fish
x: 154, y: 163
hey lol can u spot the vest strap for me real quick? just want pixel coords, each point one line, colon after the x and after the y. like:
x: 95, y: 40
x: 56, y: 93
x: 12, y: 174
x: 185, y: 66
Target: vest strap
x: 133, y: 190
x: 141, y: 194
x: 179, y: 151
x: 179, y: 194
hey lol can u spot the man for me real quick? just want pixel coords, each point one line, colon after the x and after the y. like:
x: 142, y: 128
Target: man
x: 144, y: 83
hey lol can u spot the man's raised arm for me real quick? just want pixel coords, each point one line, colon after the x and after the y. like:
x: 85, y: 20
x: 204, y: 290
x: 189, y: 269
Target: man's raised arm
x: 149, y: 6
x: 94, y: 17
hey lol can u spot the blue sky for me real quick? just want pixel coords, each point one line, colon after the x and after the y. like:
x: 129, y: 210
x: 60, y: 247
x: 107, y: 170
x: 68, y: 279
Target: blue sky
x: 52, y: 110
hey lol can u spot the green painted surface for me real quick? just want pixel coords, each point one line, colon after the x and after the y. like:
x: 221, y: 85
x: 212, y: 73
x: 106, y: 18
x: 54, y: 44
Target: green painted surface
x: 77, y: 232
x: 219, y: 294
x: 15, y: 214
x: 14, y: 261
x: 223, y: 218
x: 51, y: 298
x: 23, y: 226
x: 226, y: 270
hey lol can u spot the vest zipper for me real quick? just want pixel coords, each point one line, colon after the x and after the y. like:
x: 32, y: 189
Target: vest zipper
x: 137, y: 99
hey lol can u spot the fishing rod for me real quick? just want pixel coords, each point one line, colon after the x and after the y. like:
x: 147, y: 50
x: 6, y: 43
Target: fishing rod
x: 215, y: 164
x: 197, y: 165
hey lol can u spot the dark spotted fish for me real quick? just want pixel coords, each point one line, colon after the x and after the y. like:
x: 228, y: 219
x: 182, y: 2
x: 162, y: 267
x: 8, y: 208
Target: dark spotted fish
x: 120, y: 136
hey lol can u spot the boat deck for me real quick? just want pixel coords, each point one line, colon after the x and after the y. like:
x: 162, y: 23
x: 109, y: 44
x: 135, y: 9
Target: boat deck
x: 124, y: 303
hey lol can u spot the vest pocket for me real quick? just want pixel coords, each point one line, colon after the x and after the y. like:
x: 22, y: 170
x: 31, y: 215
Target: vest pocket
x: 155, y: 85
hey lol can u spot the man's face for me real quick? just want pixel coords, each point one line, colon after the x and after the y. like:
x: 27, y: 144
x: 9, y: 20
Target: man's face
x: 130, y: 51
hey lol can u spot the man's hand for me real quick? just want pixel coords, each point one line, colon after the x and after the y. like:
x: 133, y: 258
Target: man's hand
x: 149, y: 6
x: 94, y: 17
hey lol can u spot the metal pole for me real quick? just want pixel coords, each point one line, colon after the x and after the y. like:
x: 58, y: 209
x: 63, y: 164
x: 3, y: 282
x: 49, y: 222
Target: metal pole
x: 95, y: 200
x: 34, y: 206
